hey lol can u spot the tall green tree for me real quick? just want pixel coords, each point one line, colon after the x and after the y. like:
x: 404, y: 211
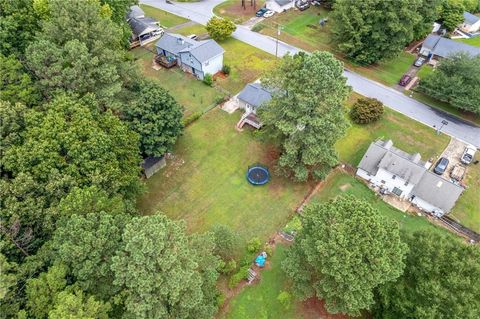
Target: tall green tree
x: 75, y: 305
x: 156, y: 117
x: 441, y: 280
x: 371, y: 30
x: 452, y: 14
x: 71, y: 144
x: 163, y: 272
x: 18, y: 24
x: 220, y: 28
x: 8, y: 278
x: 456, y: 80
x: 85, y: 57
x: 344, y: 251
x: 87, y: 244
x: 306, y: 112
x: 430, y: 11
x: 16, y: 85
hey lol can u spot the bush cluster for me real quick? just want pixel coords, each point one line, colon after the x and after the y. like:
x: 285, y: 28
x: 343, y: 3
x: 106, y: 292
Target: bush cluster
x: 366, y: 110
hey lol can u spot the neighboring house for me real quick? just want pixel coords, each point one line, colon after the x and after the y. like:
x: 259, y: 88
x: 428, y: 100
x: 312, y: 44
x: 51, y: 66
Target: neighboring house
x: 471, y: 23
x: 279, y: 5
x: 436, y: 47
x: 406, y: 176
x: 195, y: 57
x: 151, y: 165
x: 144, y: 29
x: 250, y: 99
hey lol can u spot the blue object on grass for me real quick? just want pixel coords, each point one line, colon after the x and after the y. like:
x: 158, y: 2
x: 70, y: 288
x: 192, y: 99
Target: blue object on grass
x: 258, y: 174
x: 260, y: 261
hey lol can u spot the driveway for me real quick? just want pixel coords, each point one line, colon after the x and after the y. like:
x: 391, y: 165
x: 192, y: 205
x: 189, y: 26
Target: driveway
x: 201, y: 12
x: 453, y: 152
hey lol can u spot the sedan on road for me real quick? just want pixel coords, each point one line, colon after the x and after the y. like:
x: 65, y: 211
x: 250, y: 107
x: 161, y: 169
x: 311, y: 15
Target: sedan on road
x: 441, y: 166
x: 261, y: 12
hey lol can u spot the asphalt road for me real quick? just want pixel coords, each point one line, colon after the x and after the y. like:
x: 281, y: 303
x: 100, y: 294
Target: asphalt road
x: 202, y: 11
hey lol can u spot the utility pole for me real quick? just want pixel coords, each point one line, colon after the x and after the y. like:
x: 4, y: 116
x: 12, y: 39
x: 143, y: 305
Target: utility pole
x: 276, y: 44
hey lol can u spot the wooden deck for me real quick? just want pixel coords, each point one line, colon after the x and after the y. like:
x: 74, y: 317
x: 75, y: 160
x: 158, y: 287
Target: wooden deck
x: 163, y: 61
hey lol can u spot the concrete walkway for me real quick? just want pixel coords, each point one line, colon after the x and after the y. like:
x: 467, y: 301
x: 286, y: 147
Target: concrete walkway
x: 202, y: 11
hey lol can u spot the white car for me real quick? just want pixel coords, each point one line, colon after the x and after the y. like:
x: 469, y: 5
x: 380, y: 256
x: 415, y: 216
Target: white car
x: 268, y: 14
x: 468, y: 154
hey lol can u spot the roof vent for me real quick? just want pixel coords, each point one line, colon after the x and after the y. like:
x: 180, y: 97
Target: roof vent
x: 180, y: 41
x: 388, y: 144
x: 416, y: 157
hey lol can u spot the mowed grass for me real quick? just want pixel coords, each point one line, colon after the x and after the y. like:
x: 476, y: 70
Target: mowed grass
x: 406, y: 134
x: 205, y: 184
x: 467, y: 208
x: 260, y: 300
x: 472, y: 41
x: 166, y: 19
x: 339, y: 184
x: 191, y: 93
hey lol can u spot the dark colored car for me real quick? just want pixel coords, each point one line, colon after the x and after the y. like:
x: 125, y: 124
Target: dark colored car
x: 441, y: 166
x: 405, y: 80
x: 261, y: 12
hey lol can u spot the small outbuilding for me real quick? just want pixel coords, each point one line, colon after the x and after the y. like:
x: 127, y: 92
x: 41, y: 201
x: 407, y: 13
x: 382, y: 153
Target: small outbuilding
x: 250, y: 99
x: 144, y: 29
x: 151, y: 165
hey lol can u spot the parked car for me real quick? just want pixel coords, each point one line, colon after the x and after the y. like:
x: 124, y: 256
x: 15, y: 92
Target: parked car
x: 261, y: 12
x: 268, y: 14
x: 419, y: 62
x: 302, y: 4
x: 405, y: 80
x: 316, y: 2
x: 468, y: 154
x: 441, y: 166
x: 193, y: 36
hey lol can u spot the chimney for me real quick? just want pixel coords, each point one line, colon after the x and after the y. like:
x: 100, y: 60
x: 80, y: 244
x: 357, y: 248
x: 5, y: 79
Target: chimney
x: 416, y: 157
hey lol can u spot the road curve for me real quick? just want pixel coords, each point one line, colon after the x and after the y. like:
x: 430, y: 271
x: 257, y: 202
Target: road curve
x: 201, y: 12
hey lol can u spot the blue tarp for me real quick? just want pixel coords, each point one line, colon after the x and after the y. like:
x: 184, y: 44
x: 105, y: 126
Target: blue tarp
x: 260, y: 261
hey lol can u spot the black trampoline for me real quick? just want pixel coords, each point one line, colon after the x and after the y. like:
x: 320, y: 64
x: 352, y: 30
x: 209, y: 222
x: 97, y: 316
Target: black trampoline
x: 258, y: 174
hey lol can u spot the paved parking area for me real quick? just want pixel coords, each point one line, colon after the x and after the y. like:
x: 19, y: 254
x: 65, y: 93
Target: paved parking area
x: 452, y: 152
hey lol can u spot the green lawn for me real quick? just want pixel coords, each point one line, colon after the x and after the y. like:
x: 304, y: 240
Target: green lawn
x: 425, y: 70
x: 205, y: 183
x: 467, y: 209
x: 232, y: 9
x: 260, y: 300
x: 408, y: 135
x: 472, y: 41
x: 166, y: 19
x: 339, y: 183
x: 197, y: 29
x: 191, y: 93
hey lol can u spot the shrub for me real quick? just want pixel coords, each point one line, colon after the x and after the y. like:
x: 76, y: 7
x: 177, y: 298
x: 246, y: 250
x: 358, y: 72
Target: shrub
x: 191, y: 118
x: 268, y: 249
x: 285, y: 299
x: 219, y: 28
x: 208, y: 80
x: 226, y: 69
x: 254, y: 245
x: 229, y: 266
x: 226, y: 242
x: 220, y: 299
x: 366, y: 110
x: 239, y: 276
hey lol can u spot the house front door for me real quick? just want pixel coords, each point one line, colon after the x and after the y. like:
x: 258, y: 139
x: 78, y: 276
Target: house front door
x: 193, y: 71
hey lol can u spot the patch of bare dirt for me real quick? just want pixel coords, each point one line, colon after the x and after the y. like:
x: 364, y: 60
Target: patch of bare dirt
x: 345, y: 187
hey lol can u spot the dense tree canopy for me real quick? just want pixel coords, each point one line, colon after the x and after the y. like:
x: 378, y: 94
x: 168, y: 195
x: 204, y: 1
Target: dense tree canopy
x: 156, y: 117
x: 371, y: 30
x: 441, y: 280
x: 16, y: 85
x: 75, y: 305
x: 163, y: 273
x: 452, y: 14
x: 85, y: 57
x: 220, y: 28
x: 344, y: 250
x: 306, y: 112
x: 456, y: 80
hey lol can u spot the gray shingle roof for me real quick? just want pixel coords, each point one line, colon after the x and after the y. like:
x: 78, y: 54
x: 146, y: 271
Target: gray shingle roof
x: 444, y: 47
x: 470, y: 18
x: 283, y: 2
x: 372, y: 157
x: 141, y: 26
x: 437, y: 191
x: 255, y: 94
x: 174, y: 43
x: 135, y: 12
x: 205, y: 50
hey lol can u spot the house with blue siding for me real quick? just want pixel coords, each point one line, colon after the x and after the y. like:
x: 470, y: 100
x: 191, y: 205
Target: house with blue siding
x: 195, y: 57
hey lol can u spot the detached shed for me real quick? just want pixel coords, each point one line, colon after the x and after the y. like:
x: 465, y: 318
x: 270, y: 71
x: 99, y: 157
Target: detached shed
x: 151, y: 165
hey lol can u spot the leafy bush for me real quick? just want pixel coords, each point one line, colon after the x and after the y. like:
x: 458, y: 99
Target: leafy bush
x: 366, y: 110
x: 208, y: 80
x: 239, y: 276
x: 219, y: 28
x: 254, y: 245
x: 226, y: 69
x: 285, y: 299
x: 191, y: 118
x: 226, y: 242
x: 229, y: 267
x: 268, y: 249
